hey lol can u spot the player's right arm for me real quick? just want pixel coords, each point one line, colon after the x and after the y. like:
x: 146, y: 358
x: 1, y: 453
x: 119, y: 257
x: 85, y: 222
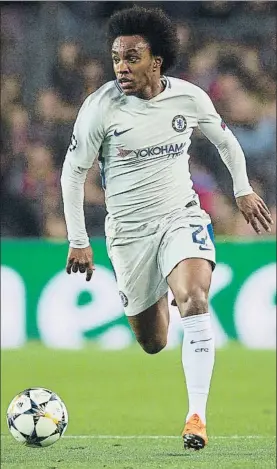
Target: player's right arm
x: 87, y: 138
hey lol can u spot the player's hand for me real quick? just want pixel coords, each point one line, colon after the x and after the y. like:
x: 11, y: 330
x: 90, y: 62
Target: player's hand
x: 80, y: 259
x: 255, y: 212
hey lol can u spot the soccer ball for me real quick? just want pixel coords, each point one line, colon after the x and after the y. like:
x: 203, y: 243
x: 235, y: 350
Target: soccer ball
x: 37, y: 417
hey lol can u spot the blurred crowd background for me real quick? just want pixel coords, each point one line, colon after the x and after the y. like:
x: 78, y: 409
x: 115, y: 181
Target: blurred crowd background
x: 54, y: 54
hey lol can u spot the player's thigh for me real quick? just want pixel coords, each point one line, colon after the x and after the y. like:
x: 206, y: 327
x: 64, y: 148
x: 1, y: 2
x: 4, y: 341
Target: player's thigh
x: 151, y: 326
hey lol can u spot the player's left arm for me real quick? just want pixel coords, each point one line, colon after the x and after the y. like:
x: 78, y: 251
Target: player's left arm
x: 249, y: 203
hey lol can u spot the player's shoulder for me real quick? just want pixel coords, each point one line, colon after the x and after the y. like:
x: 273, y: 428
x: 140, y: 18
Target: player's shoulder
x: 183, y: 87
x: 104, y: 95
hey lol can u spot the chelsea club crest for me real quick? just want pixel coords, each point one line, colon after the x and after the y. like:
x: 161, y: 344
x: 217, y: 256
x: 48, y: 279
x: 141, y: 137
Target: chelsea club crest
x: 123, y: 298
x: 179, y: 123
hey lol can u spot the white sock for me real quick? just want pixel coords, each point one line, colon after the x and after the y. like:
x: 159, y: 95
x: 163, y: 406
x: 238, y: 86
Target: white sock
x: 198, y: 354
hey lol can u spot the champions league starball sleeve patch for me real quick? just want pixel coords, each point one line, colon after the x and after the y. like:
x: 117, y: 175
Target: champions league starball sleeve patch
x: 73, y: 143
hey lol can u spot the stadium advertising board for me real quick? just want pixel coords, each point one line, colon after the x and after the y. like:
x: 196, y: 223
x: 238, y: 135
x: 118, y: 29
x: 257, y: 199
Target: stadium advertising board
x: 39, y: 301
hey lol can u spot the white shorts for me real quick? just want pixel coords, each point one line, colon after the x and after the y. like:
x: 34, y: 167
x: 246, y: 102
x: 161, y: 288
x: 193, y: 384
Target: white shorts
x: 143, y: 255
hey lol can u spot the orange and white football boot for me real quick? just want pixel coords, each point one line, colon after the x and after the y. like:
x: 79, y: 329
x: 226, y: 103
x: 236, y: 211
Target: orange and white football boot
x: 194, y: 433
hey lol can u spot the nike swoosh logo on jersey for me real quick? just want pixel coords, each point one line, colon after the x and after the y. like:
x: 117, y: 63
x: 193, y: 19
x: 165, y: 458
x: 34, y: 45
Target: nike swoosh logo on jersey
x: 116, y: 133
x: 204, y: 249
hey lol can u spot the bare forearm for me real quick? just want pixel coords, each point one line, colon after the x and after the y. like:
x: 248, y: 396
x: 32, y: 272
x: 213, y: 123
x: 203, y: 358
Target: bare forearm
x: 72, y: 182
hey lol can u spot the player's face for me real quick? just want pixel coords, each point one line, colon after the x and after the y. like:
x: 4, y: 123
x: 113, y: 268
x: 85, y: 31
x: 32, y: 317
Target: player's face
x: 135, y: 67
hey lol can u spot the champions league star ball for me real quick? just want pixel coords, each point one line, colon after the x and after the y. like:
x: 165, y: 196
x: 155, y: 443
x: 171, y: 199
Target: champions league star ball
x: 37, y: 417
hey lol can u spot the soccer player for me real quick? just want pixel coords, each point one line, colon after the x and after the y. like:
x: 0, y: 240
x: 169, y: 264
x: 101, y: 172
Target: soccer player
x: 139, y: 126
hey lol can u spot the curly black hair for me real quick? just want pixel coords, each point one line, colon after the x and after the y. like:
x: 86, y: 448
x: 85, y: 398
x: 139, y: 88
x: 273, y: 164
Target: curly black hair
x: 153, y: 25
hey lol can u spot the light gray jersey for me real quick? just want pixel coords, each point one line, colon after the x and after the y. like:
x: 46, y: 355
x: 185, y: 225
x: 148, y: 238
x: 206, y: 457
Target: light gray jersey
x: 142, y: 147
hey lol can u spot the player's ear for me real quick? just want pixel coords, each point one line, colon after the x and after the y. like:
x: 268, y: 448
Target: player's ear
x: 157, y: 63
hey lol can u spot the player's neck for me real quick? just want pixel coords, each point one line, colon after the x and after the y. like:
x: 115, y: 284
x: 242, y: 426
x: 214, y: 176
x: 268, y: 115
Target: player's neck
x: 152, y: 90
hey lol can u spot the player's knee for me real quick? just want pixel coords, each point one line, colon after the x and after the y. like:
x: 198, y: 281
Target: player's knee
x: 196, y: 306
x: 194, y: 301
x: 153, y: 346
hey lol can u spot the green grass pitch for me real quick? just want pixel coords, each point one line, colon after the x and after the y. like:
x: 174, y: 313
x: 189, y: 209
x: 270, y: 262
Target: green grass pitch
x: 119, y: 403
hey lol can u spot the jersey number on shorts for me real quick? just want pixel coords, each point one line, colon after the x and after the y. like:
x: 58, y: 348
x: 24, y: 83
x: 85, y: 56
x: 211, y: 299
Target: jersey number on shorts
x: 196, y: 232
